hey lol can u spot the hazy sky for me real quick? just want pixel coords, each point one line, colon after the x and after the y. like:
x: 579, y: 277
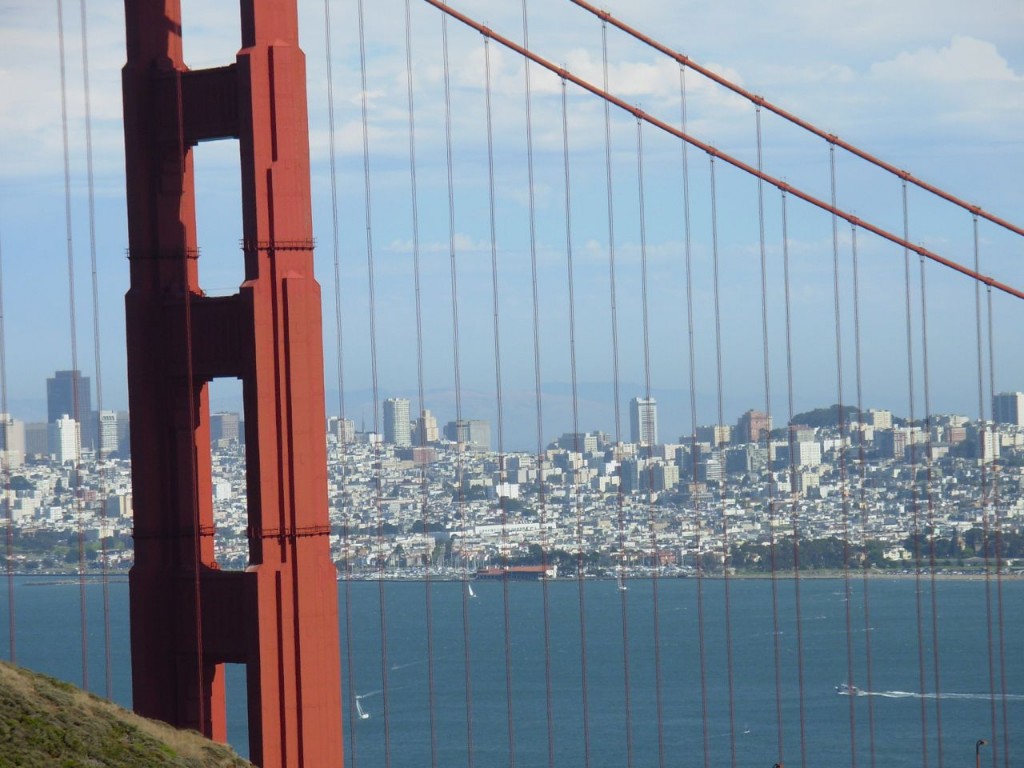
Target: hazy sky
x: 932, y: 86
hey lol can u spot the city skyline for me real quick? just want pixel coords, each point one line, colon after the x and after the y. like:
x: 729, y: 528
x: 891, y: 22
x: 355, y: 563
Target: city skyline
x: 401, y: 430
x: 928, y: 130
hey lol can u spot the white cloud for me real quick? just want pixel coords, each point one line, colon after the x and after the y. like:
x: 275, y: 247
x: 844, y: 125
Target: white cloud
x: 964, y: 60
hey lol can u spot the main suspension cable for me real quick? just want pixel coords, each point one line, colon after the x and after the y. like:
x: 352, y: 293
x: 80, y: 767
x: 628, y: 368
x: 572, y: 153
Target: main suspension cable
x: 562, y: 72
x: 760, y: 101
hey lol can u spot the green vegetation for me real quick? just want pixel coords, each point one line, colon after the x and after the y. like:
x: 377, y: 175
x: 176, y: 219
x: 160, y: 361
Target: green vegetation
x: 45, y: 723
x: 826, y: 417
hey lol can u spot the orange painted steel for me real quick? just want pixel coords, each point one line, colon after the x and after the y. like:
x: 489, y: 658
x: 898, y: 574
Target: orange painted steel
x: 278, y: 617
x: 760, y: 101
x: 748, y: 169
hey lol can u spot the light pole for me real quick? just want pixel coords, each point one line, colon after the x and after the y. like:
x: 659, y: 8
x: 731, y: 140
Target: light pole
x: 977, y: 752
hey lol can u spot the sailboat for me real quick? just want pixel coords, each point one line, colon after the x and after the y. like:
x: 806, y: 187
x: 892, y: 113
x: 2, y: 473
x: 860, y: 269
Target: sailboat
x: 359, y: 709
x: 470, y: 587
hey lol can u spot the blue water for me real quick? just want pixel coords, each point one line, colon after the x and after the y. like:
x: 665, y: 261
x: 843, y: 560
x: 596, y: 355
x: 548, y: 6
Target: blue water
x: 905, y: 723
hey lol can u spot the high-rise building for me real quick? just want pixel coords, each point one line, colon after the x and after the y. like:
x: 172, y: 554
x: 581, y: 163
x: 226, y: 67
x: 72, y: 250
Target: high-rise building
x: 61, y: 393
x: 343, y: 430
x: 879, y: 419
x: 397, y: 430
x: 37, y: 438
x: 426, y: 429
x: 225, y: 427
x: 108, y: 433
x: 1008, y: 408
x: 472, y: 433
x: 12, y: 441
x: 752, y: 427
x: 124, y: 438
x: 643, y: 420
x: 65, y: 439
x: 716, y: 435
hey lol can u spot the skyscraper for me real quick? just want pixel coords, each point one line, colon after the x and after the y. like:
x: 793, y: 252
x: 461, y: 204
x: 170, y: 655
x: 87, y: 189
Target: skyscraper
x: 65, y: 440
x: 427, y: 431
x: 12, y: 441
x: 397, y: 429
x: 61, y: 392
x: 643, y: 420
x: 752, y: 427
x: 473, y: 434
x: 108, y: 433
x: 1008, y: 408
x: 225, y: 427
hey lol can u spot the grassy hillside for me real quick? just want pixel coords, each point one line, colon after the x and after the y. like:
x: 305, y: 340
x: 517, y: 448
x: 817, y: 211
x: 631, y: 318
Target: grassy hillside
x: 50, y: 724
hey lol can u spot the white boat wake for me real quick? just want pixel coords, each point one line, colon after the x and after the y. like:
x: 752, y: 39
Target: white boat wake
x: 851, y: 691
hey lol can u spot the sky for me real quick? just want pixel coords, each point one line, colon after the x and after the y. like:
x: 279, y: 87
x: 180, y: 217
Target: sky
x: 932, y: 86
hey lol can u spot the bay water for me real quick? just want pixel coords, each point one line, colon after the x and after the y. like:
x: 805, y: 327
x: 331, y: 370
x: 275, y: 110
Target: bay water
x: 498, y: 709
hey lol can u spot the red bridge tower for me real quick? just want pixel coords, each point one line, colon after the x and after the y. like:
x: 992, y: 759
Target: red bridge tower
x: 279, y: 616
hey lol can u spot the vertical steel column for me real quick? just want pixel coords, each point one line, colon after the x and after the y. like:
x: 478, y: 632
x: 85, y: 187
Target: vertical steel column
x: 189, y: 617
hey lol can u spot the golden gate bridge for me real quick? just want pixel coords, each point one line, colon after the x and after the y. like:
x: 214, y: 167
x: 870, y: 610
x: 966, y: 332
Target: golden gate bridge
x: 773, y: 277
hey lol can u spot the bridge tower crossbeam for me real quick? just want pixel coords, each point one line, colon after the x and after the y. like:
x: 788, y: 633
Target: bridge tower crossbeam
x: 278, y: 617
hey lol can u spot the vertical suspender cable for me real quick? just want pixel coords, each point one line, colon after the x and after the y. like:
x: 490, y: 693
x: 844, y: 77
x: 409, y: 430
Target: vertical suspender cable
x: 459, y: 444
x: 693, y: 407
x: 620, y: 496
x: 421, y: 431
x: 656, y: 612
x: 693, y: 396
x: 541, y: 479
x: 915, y: 523
x: 498, y: 394
x: 6, y: 479
x: 931, y: 513
x: 378, y: 470
x: 983, y: 436
x: 96, y: 351
x: 351, y: 740
x: 768, y: 411
x: 580, y: 584
x: 998, y: 543
x: 795, y: 508
x: 862, y: 498
x: 843, y: 489
x: 697, y: 514
x: 77, y: 471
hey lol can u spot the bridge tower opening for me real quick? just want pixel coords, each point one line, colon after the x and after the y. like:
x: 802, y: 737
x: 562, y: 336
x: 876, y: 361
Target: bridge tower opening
x: 189, y: 617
